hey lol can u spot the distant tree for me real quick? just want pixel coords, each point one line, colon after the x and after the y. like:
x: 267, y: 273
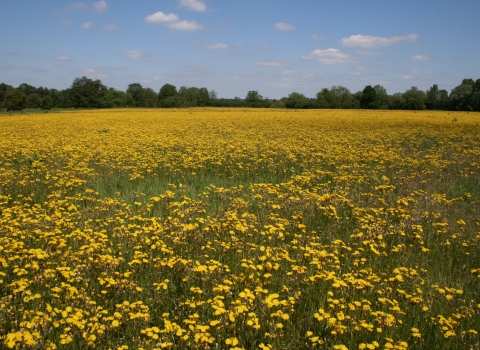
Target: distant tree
x: 138, y: 94
x: 381, y: 97
x: 174, y: 102
x: 342, y: 97
x: 436, y: 99
x: 213, y: 95
x: 14, y: 100
x: 396, y: 101
x: 33, y: 101
x: 116, y: 99
x: 46, y: 102
x: 166, y: 91
x: 325, y: 98
x: 254, y: 99
x: 43, y: 91
x: 87, y: 93
x: 151, y: 97
x: 3, y: 90
x: 297, y: 100
x: 414, y: 99
x: 27, y: 89
x: 369, y: 97
x: 461, y: 96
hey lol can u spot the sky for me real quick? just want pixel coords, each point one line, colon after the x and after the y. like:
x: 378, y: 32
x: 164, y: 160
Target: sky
x: 274, y: 47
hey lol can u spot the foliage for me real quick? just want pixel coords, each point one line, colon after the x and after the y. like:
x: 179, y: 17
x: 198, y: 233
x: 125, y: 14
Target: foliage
x: 14, y: 100
x: 46, y: 102
x: 369, y: 98
x: 174, y: 102
x: 297, y: 100
x: 137, y: 92
x: 166, y: 91
x: 33, y: 101
x: 239, y: 229
x: 87, y: 93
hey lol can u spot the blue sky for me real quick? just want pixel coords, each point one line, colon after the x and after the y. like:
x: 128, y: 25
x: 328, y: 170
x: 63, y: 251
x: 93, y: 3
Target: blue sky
x: 274, y: 47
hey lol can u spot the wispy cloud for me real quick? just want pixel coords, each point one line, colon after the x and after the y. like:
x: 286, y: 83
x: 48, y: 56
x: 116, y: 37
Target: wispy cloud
x: 271, y: 63
x: 111, y: 26
x: 87, y: 25
x: 100, y: 6
x: 284, y: 26
x: 62, y: 61
x: 217, y: 46
x: 367, y: 53
x: 72, y: 7
x: 194, y: 5
x: 65, y: 22
x: 422, y: 58
x: 331, y: 56
x: 317, y: 37
x: 135, y: 54
x: 172, y: 21
x: 369, y: 41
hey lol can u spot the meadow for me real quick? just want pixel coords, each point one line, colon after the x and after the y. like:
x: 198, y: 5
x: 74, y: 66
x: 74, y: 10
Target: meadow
x: 240, y: 229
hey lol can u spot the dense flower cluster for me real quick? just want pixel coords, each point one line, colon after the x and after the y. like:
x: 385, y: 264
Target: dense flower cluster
x: 239, y: 229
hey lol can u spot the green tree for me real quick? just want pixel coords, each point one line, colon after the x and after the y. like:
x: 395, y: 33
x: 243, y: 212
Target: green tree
x: 46, y: 102
x: 14, y: 100
x: 151, y: 97
x: 297, y: 100
x: 174, y: 102
x: 325, y: 98
x: 460, y: 96
x: 369, y: 97
x: 33, y: 101
x: 138, y: 94
x: 87, y: 93
x: 27, y: 89
x: 166, y: 91
x: 414, y: 99
x: 3, y: 90
x: 436, y: 99
x: 254, y: 99
x: 381, y: 97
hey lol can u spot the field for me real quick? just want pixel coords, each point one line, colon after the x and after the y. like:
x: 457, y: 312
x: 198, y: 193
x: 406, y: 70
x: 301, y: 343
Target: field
x: 240, y: 229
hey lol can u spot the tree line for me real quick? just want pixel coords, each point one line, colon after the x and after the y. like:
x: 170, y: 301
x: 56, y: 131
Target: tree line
x: 89, y: 93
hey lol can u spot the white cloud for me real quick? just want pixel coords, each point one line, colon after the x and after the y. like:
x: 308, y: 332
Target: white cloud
x: 73, y: 7
x: 271, y: 63
x: 331, y: 56
x: 422, y: 58
x: 61, y: 61
x: 367, y: 53
x: 112, y: 26
x: 186, y: 26
x: 194, y: 5
x: 135, y: 54
x: 317, y: 37
x: 100, y: 6
x: 92, y: 72
x: 65, y: 22
x: 299, y: 73
x: 407, y: 77
x: 217, y: 46
x: 160, y: 17
x: 87, y: 25
x: 369, y: 41
x: 172, y: 21
x: 284, y: 26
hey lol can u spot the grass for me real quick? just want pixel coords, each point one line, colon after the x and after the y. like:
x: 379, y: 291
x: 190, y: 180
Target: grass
x: 230, y: 229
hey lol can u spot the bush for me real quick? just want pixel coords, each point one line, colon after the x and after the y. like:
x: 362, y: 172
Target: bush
x: 14, y: 100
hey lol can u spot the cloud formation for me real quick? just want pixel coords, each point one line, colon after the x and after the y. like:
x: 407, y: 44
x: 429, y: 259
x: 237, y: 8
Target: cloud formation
x: 369, y: 41
x: 172, y: 21
x: 87, y: 25
x: 330, y: 56
x: 100, y: 6
x: 217, y: 46
x: 422, y: 58
x: 284, y: 26
x: 73, y: 7
x: 61, y: 61
x: 194, y: 5
x: 111, y: 26
x: 135, y: 54
x: 317, y: 37
x: 271, y: 63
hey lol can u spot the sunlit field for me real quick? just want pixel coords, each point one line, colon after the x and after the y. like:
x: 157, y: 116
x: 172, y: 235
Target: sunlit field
x: 240, y: 229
